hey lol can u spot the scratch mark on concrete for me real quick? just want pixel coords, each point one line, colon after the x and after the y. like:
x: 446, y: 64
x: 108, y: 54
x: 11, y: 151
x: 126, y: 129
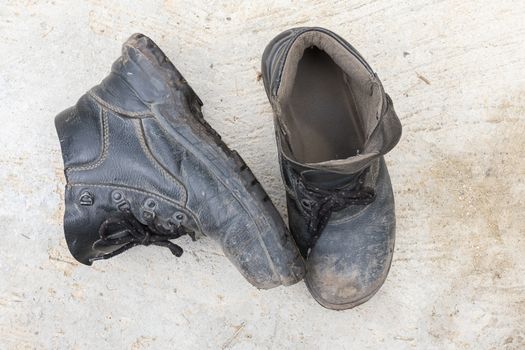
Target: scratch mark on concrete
x: 230, y: 340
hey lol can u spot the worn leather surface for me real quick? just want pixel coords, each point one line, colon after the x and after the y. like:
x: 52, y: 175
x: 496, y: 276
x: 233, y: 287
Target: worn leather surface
x: 349, y: 259
x: 137, y: 143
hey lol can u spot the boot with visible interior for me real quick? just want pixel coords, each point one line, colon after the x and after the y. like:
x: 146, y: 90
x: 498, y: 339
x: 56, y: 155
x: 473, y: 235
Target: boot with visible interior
x: 334, y: 123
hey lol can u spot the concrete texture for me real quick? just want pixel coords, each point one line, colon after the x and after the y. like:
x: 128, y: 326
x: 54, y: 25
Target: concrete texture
x: 455, y: 70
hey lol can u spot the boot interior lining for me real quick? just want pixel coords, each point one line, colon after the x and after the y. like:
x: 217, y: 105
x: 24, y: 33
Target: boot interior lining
x: 329, y: 101
x: 322, y: 117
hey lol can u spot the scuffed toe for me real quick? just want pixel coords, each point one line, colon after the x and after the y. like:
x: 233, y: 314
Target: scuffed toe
x: 342, y: 274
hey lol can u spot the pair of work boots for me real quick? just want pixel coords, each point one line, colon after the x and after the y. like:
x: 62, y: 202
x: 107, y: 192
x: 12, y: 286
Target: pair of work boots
x: 144, y: 167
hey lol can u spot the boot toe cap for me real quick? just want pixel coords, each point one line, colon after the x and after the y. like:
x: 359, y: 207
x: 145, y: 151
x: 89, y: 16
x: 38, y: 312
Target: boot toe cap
x: 343, y: 272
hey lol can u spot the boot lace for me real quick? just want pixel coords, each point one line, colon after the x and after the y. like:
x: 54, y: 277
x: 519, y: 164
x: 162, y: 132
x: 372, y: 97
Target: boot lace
x: 319, y: 204
x: 126, y: 232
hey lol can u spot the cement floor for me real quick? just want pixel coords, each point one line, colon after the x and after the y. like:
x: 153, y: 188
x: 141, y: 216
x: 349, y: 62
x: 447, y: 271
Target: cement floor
x: 455, y: 70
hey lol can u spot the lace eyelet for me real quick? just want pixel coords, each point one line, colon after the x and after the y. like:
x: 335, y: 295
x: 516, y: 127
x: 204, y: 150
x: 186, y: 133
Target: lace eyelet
x: 117, y: 196
x: 150, y: 203
x: 86, y: 199
x: 179, y: 218
x: 148, y: 215
x: 306, y: 203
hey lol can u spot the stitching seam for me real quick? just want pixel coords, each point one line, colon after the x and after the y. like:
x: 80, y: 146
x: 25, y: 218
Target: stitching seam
x: 139, y: 129
x: 117, y: 109
x: 105, y: 147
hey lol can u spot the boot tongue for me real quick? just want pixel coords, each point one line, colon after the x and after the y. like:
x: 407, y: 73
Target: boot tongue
x: 328, y: 180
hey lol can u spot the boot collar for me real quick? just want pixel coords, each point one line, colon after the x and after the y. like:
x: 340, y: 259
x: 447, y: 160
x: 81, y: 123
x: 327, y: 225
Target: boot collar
x: 382, y: 139
x: 140, y: 78
x: 382, y: 126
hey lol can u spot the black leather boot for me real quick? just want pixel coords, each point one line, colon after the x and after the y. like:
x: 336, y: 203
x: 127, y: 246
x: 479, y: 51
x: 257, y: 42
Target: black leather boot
x: 334, y: 123
x: 143, y: 167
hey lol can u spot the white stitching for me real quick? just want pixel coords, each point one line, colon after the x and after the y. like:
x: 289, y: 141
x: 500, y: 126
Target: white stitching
x: 117, y: 109
x: 139, y: 131
x: 105, y: 146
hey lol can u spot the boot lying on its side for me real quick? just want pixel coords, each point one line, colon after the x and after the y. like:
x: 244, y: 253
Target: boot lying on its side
x: 143, y: 167
x: 334, y: 123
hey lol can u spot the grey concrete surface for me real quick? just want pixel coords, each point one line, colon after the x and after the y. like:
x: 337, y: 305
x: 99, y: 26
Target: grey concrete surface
x: 456, y: 72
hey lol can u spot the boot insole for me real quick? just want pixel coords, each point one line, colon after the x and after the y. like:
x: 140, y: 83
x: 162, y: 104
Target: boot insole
x: 324, y: 123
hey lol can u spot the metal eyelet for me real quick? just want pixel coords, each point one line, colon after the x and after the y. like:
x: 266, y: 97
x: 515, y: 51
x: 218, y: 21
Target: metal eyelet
x: 86, y: 198
x: 178, y: 218
x: 123, y: 206
x: 150, y: 203
x: 121, y: 202
x: 148, y: 212
x: 148, y: 215
x: 306, y: 203
x: 117, y: 196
